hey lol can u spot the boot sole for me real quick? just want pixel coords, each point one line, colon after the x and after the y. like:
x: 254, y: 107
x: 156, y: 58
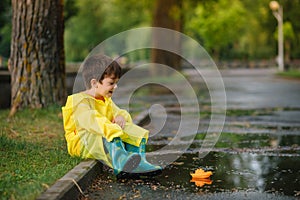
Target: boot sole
x: 132, y: 163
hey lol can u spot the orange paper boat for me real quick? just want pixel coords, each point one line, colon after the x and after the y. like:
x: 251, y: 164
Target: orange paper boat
x: 201, y: 174
x: 201, y: 182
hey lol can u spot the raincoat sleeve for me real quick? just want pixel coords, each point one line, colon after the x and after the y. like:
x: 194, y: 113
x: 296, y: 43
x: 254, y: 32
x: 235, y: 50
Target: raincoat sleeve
x: 89, y: 119
x: 133, y: 134
x: 117, y: 111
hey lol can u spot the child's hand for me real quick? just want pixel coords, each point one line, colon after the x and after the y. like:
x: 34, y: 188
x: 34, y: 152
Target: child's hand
x: 120, y: 120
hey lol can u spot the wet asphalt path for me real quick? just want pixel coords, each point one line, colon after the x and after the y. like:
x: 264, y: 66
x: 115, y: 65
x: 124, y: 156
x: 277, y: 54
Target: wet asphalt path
x: 257, y: 155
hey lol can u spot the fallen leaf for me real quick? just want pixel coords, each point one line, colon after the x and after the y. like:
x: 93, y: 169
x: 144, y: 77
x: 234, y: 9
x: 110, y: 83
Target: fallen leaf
x: 178, y: 163
x: 45, y: 185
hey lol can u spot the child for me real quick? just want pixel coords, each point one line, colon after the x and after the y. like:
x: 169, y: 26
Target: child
x: 96, y: 128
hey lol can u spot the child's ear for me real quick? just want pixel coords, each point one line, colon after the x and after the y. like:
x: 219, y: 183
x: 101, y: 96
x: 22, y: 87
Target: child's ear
x: 94, y: 83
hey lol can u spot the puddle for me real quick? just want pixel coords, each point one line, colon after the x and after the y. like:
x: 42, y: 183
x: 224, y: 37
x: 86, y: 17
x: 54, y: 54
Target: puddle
x: 258, y: 176
x: 234, y: 172
x: 244, y: 166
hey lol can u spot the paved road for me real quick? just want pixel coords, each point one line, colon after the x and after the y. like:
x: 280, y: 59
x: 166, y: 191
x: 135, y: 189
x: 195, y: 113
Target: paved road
x: 256, y: 89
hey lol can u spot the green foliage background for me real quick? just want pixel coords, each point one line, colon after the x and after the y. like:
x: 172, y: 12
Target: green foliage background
x: 228, y: 29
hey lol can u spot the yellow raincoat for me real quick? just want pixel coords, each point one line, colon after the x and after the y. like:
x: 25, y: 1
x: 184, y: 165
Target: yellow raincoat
x: 87, y: 120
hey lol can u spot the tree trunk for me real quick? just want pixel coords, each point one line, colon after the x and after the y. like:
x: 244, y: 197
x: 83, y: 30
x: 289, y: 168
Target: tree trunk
x: 37, y: 60
x: 167, y: 14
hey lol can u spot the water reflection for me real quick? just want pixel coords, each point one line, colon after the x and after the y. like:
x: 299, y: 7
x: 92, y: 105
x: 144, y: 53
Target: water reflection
x: 249, y: 170
x: 243, y: 171
x: 201, y: 182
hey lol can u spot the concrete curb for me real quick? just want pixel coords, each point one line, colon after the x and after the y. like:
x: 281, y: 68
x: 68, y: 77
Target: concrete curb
x: 71, y: 185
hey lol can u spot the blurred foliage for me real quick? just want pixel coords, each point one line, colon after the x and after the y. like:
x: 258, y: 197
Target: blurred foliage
x: 70, y: 9
x: 4, y: 12
x: 5, y: 28
x: 236, y: 29
x: 99, y: 20
x: 218, y: 23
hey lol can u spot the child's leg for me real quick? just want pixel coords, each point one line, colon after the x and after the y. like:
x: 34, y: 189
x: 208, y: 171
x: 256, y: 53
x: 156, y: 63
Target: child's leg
x: 133, y: 134
x: 144, y: 168
x: 135, y: 138
x: 122, y: 161
x: 92, y: 147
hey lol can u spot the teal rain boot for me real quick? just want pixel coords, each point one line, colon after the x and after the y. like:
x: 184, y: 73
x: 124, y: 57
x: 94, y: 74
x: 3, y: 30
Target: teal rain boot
x: 144, y: 168
x: 122, y: 161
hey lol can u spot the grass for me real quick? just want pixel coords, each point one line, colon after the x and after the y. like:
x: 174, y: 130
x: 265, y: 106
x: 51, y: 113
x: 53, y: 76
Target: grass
x: 233, y: 140
x: 290, y: 74
x: 241, y: 112
x: 33, y: 152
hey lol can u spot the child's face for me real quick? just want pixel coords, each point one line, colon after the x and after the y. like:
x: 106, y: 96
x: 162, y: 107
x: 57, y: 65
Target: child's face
x: 107, y: 87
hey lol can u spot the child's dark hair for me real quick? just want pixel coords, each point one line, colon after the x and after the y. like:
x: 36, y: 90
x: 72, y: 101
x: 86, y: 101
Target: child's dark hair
x: 99, y: 66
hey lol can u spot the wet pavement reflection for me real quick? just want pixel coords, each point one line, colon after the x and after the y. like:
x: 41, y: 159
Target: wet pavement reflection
x: 235, y: 172
x: 276, y: 177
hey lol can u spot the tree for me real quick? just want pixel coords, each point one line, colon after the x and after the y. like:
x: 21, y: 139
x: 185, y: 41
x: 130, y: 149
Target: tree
x: 167, y: 14
x: 291, y: 29
x: 37, y: 63
x: 289, y: 38
x: 219, y: 24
